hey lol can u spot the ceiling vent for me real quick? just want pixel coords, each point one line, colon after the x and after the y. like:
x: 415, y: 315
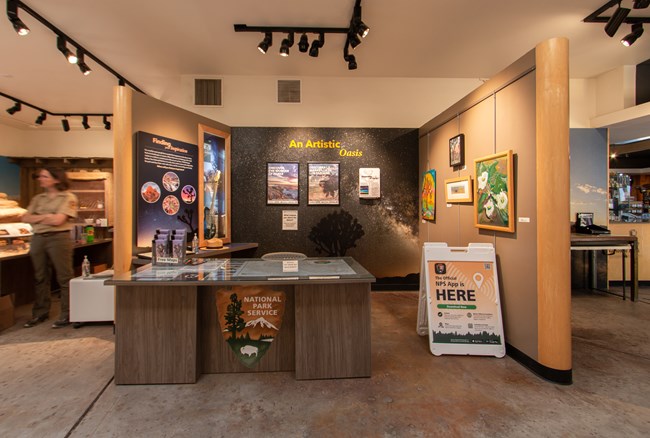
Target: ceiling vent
x: 288, y: 91
x: 207, y: 92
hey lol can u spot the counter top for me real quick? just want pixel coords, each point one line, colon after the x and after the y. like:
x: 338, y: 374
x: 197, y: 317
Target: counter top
x: 248, y: 271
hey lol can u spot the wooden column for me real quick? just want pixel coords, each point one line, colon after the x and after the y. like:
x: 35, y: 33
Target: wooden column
x: 123, y: 177
x: 553, y: 221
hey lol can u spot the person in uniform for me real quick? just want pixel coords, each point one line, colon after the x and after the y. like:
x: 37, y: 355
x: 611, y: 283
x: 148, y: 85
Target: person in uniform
x: 50, y: 214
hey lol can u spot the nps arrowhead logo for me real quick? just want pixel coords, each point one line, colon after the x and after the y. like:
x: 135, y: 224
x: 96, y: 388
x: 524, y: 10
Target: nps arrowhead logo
x: 250, y: 318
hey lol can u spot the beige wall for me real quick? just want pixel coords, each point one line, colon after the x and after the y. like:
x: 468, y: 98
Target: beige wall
x: 614, y: 262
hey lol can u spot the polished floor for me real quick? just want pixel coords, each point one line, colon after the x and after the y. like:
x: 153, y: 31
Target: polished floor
x: 58, y: 383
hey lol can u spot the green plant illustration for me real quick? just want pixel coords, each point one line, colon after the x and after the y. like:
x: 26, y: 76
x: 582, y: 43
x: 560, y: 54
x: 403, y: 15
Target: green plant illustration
x: 492, y: 193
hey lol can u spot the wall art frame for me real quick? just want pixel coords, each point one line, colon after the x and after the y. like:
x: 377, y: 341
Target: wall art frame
x: 458, y: 190
x: 493, y: 194
x: 428, y: 196
x: 282, y: 183
x: 324, y: 179
x: 457, y: 150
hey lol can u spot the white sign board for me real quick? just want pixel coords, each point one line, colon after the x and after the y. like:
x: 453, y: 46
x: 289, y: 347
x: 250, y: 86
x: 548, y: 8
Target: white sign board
x: 369, y: 182
x: 289, y: 220
x: 459, y: 306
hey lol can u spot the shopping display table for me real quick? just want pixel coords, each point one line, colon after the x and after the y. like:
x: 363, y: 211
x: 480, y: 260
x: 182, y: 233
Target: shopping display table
x: 167, y: 329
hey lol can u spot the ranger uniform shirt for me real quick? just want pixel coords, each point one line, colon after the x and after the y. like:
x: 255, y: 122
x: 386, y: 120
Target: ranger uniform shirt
x: 64, y: 202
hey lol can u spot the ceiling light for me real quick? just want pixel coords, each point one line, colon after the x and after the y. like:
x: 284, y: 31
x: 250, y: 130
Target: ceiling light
x: 286, y: 44
x: 641, y: 4
x: 84, y: 122
x: 616, y: 20
x: 107, y: 124
x: 303, y: 45
x: 316, y: 45
x: 14, y: 109
x: 362, y: 29
x: 41, y: 118
x: 61, y: 45
x: 12, y: 12
x: 630, y: 38
x: 82, y: 64
x: 65, y: 124
x: 352, y: 62
x: 354, y: 39
x: 266, y: 42
x: 357, y: 26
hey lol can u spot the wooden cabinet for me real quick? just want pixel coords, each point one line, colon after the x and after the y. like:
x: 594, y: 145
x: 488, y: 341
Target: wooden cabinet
x: 94, y: 192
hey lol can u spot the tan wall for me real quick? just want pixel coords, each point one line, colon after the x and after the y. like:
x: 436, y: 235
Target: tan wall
x: 519, y: 110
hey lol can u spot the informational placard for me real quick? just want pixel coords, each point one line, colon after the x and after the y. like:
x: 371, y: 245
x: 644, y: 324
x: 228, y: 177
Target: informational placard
x: 369, y: 183
x: 459, y: 306
x: 289, y: 220
x: 167, y: 184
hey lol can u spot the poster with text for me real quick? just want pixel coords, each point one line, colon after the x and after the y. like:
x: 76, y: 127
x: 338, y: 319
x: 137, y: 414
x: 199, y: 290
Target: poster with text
x: 464, y: 303
x: 166, y: 184
x: 369, y: 183
x: 282, y: 183
x: 323, y: 184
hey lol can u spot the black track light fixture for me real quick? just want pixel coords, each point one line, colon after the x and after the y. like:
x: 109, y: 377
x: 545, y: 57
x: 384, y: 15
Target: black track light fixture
x: 63, y: 48
x: 266, y: 43
x: 12, y: 12
x: 84, y: 122
x: 287, y: 43
x: 350, y: 59
x: 316, y: 45
x: 41, y: 118
x: 354, y: 33
x: 14, y: 109
x: 65, y: 124
x: 83, y: 67
x: 641, y: 4
x: 107, y: 124
x: 616, y: 20
x: 303, y: 44
x: 630, y: 38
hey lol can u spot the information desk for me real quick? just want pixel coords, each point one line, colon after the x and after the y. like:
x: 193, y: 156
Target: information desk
x: 608, y: 242
x: 167, y: 329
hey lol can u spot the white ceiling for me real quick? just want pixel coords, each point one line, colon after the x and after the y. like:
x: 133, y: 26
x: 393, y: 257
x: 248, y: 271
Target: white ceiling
x: 153, y: 42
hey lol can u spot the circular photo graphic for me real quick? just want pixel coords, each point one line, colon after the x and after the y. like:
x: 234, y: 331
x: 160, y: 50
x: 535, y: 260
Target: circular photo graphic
x: 150, y: 192
x: 171, y: 204
x: 170, y: 181
x: 188, y: 194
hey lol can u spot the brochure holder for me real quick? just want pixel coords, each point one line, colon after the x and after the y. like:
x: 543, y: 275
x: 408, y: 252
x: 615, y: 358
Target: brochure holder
x: 459, y: 305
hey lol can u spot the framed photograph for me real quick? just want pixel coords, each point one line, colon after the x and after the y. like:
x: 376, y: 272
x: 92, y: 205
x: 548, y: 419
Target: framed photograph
x: 428, y: 195
x: 457, y: 150
x: 494, y: 197
x: 282, y: 184
x: 214, y: 184
x: 323, y: 183
x: 458, y: 189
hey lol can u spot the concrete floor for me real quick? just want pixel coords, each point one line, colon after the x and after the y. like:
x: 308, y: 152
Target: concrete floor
x: 57, y: 383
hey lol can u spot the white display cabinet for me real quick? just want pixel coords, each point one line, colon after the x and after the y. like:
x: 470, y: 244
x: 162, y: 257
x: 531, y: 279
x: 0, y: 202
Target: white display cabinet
x: 91, y: 300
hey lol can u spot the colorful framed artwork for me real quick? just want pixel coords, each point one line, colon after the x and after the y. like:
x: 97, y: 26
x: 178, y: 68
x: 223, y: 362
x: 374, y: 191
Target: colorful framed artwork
x: 457, y: 150
x: 323, y: 180
x: 494, y: 197
x: 428, y: 195
x: 282, y: 184
x: 458, y: 189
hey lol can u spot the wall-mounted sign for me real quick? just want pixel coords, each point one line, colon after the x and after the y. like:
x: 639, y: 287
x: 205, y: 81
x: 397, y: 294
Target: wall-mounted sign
x: 167, y: 184
x: 323, y: 184
x: 289, y: 220
x: 282, y: 183
x: 369, y: 183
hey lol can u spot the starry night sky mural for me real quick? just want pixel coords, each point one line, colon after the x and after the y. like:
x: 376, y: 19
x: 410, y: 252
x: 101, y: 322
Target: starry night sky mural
x: 379, y: 233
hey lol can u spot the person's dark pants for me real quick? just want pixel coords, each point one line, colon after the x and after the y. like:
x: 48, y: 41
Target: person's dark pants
x: 55, y: 249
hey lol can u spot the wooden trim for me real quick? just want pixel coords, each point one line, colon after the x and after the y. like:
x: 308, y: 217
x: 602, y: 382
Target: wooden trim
x: 123, y: 174
x: 552, y: 182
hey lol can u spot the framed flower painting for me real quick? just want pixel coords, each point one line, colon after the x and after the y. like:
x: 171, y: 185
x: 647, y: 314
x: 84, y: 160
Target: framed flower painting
x: 494, y: 197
